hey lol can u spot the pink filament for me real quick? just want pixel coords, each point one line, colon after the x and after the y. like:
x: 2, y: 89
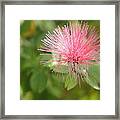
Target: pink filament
x: 76, y: 42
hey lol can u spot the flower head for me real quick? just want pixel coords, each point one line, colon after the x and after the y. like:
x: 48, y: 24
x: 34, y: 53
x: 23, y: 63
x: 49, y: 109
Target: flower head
x: 75, y: 45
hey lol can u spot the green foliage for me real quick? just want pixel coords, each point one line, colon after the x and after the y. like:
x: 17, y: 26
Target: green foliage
x: 93, y: 78
x: 28, y: 96
x: 70, y: 82
x: 46, y: 80
x: 38, y: 81
x: 59, y: 68
x: 27, y: 29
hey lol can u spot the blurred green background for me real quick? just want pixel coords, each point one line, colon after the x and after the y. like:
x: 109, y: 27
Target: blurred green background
x: 38, y: 82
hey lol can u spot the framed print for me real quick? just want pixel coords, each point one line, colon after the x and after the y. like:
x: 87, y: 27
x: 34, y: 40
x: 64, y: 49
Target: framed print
x: 60, y: 59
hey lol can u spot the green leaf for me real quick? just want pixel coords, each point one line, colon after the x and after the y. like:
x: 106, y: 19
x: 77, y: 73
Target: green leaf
x: 25, y: 25
x: 54, y: 86
x: 28, y: 96
x: 27, y: 29
x: 50, y: 61
x: 70, y: 82
x: 21, y: 92
x: 45, y: 25
x: 60, y: 68
x: 38, y: 82
x: 93, y: 78
x: 45, y: 59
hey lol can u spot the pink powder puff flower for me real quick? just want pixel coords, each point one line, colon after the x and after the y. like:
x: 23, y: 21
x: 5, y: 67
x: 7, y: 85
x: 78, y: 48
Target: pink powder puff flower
x: 76, y: 45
